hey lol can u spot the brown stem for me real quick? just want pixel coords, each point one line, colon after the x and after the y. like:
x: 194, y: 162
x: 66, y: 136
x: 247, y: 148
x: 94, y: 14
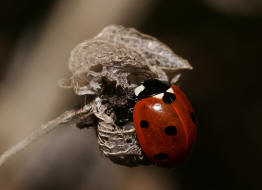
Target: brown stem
x: 65, y: 119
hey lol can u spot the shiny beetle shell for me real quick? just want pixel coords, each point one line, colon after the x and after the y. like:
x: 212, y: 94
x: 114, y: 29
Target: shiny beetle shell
x: 165, y: 126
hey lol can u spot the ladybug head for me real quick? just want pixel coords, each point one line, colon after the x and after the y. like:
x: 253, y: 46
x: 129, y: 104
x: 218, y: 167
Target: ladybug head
x: 146, y: 89
x: 150, y: 87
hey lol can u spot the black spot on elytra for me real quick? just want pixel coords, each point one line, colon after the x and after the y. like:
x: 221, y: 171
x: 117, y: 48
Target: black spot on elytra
x: 192, y: 116
x: 171, y: 130
x: 168, y: 97
x: 144, y: 124
x: 161, y: 156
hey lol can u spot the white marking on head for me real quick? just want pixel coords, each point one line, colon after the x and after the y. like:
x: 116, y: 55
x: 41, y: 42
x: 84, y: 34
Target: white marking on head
x: 139, y: 89
x: 170, y: 90
x: 159, y: 96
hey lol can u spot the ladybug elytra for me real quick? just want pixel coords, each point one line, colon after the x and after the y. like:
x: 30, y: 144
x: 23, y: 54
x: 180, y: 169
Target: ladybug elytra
x: 164, y: 122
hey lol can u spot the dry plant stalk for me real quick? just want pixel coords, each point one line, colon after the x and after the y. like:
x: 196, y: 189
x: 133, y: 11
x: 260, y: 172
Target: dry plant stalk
x: 68, y: 118
x: 106, y: 70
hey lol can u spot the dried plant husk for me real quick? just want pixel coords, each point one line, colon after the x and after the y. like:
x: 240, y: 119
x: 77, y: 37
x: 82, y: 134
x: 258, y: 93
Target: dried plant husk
x: 108, y: 68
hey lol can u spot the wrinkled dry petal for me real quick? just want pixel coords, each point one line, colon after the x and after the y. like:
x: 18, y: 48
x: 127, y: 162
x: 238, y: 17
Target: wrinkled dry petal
x: 123, y: 55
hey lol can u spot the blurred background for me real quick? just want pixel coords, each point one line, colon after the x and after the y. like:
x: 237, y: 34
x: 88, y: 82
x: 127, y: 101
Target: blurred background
x: 221, y: 39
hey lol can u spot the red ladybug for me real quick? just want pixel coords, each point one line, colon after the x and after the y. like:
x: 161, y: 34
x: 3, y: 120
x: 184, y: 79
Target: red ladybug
x: 164, y: 122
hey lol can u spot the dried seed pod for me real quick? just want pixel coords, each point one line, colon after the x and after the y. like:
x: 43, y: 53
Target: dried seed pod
x: 109, y: 67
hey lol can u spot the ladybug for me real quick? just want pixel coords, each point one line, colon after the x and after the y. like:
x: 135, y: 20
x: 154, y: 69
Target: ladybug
x: 164, y: 122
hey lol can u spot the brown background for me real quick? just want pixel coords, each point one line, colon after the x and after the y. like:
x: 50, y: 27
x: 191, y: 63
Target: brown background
x: 221, y: 39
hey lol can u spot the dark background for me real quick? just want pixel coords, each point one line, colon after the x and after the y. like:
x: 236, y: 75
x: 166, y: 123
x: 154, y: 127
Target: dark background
x: 225, y: 51
x: 224, y: 47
